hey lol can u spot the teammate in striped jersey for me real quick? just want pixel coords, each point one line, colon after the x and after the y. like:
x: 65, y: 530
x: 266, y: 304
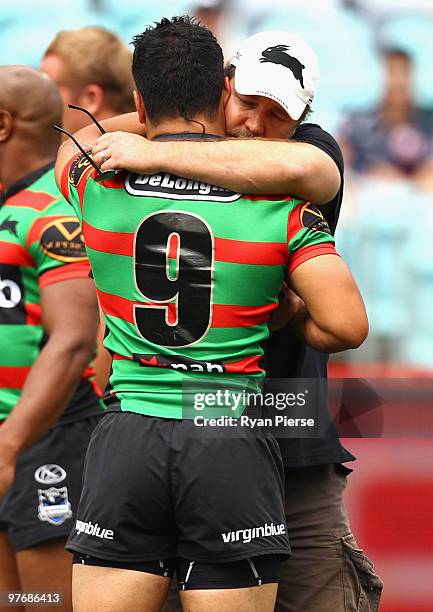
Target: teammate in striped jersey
x: 48, y: 321
x: 188, y: 275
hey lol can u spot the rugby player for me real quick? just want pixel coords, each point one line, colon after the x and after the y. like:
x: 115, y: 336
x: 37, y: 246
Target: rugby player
x: 268, y: 102
x: 173, y: 310
x: 48, y: 323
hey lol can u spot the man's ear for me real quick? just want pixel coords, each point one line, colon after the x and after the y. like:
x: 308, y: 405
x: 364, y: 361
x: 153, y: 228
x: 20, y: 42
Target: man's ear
x: 92, y: 98
x: 6, y: 125
x: 227, y: 91
x: 140, y: 106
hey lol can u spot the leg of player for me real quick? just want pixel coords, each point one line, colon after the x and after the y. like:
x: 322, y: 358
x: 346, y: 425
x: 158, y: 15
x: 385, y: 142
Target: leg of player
x: 9, y: 578
x: 247, y: 585
x: 253, y: 599
x: 110, y: 589
x: 47, y: 567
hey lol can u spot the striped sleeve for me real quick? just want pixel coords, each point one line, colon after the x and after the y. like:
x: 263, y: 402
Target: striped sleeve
x: 308, y: 235
x: 63, y: 273
x: 73, y: 182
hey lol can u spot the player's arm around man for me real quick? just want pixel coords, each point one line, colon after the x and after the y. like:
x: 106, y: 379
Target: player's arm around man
x: 267, y: 102
x: 259, y: 165
x: 244, y: 165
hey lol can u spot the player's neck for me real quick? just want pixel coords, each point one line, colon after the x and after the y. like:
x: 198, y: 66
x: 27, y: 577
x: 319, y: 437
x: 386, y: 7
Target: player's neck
x: 179, y: 125
x: 19, y: 161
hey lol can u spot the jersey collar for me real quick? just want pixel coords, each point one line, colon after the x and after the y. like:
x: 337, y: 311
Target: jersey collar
x: 188, y: 136
x: 26, y: 181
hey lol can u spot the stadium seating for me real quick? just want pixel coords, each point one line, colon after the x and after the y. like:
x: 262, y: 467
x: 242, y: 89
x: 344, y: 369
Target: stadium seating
x: 132, y: 16
x: 419, y: 296
x: 385, y: 237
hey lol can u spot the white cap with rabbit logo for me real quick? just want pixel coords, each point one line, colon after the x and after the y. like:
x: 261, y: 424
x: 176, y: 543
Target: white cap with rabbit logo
x: 280, y: 66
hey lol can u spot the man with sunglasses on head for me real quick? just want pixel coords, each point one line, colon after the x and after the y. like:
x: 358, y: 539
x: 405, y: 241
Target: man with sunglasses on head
x: 272, y: 79
x: 187, y: 274
x: 49, y: 404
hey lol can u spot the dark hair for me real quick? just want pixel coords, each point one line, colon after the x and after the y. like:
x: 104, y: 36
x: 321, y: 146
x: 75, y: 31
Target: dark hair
x: 178, y: 69
x: 229, y: 71
x: 388, y: 52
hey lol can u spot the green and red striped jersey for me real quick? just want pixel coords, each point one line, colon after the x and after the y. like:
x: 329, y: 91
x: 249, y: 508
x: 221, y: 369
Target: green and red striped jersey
x: 187, y: 276
x: 40, y: 244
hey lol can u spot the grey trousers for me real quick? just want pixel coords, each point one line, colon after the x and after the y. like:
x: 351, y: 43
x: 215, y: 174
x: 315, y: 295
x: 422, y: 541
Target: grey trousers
x: 327, y: 572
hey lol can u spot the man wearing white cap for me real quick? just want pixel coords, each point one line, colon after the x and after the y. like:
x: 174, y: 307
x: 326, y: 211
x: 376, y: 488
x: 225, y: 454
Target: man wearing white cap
x: 268, y: 101
x: 273, y: 78
x: 286, y: 73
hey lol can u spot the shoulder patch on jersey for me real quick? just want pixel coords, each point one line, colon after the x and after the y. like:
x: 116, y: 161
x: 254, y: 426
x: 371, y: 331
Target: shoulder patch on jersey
x: 313, y: 218
x: 78, y: 169
x: 62, y: 240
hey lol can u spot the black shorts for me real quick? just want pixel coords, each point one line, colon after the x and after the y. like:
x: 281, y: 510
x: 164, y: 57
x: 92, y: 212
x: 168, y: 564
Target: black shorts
x: 154, y: 489
x: 41, y: 503
x: 196, y: 575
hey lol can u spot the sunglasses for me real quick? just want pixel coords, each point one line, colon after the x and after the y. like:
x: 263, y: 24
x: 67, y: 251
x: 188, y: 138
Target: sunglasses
x: 101, y: 176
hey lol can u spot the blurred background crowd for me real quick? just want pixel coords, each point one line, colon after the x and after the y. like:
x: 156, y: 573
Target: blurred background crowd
x: 375, y: 96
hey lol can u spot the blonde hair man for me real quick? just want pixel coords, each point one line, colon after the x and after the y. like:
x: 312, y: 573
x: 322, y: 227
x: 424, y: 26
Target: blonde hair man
x: 92, y: 68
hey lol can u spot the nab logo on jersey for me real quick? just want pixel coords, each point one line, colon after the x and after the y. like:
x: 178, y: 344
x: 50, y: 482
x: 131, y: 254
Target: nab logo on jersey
x: 62, y: 240
x: 174, y: 187
x: 179, y: 362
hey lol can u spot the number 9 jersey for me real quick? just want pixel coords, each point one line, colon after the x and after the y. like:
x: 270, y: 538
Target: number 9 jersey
x: 187, y: 276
